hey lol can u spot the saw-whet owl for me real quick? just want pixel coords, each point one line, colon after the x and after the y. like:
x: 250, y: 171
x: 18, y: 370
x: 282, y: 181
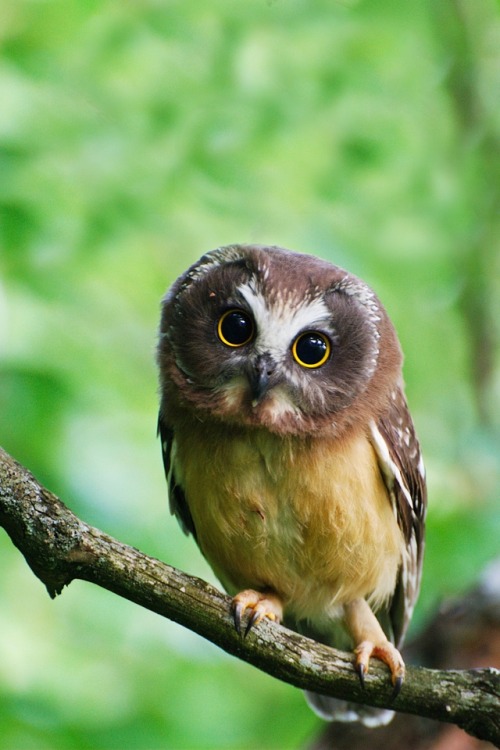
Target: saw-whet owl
x: 290, y: 453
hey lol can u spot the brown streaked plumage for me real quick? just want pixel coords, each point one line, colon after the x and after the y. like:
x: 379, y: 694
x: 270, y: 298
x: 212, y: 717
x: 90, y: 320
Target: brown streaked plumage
x: 289, y: 450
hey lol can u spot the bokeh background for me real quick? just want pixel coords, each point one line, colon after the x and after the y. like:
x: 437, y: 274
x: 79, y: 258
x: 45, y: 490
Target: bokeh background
x: 136, y: 135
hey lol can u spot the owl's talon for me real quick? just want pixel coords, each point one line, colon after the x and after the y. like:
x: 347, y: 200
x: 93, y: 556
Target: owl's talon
x: 261, y: 605
x: 398, y: 684
x: 255, y: 618
x: 361, y: 670
x: 237, y: 610
x: 386, y: 652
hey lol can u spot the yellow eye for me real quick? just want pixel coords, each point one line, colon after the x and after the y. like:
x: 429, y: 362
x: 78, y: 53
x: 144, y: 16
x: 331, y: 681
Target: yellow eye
x: 311, y: 349
x: 235, y: 328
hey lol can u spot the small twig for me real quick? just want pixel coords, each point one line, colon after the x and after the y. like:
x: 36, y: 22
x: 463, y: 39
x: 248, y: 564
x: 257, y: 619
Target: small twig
x: 59, y: 548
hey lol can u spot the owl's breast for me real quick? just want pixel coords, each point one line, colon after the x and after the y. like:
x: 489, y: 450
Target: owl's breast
x: 309, y: 518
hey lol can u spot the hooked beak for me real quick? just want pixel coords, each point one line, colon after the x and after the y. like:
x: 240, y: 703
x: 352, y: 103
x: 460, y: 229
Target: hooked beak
x: 259, y: 377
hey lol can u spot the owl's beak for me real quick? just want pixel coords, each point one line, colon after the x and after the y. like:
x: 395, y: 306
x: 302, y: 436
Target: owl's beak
x: 259, y: 377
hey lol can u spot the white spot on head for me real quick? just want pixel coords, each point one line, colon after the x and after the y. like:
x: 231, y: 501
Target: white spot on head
x: 214, y: 258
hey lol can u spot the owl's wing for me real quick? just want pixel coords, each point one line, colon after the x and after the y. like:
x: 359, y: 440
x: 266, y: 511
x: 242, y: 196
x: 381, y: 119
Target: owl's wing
x: 402, y: 468
x: 177, y: 499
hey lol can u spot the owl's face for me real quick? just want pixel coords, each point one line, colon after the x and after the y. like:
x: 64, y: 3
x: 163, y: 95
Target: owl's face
x: 266, y: 337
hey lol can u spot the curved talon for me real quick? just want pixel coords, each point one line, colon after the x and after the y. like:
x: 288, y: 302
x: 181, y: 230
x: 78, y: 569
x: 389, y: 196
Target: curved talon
x: 237, y: 610
x: 398, y: 684
x: 387, y: 653
x: 261, y: 605
x: 361, y: 670
x: 255, y: 618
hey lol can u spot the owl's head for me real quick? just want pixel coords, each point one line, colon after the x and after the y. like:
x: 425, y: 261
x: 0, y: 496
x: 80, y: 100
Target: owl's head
x: 262, y: 336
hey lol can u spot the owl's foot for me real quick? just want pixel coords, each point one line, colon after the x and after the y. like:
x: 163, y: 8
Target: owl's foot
x: 371, y: 640
x: 261, y: 605
x: 386, y: 652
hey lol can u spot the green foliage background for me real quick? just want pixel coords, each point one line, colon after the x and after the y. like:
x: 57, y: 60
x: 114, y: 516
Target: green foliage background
x: 134, y: 136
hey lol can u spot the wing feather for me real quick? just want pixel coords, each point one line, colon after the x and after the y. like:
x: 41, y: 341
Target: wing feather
x: 401, y: 465
x: 177, y: 499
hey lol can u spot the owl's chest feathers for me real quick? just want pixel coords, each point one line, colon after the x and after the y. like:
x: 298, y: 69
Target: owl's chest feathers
x: 308, y: 518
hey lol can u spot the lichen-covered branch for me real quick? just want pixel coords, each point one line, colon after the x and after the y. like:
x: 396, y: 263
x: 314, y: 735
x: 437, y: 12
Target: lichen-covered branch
x: 59, y: 547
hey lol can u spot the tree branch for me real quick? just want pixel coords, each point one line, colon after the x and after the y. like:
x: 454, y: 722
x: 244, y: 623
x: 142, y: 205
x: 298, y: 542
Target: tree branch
x: 59, y: 548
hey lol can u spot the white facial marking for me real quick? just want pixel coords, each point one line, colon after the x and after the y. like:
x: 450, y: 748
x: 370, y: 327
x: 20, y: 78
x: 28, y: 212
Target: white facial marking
x: 358, y: 289
x: 278, y: 405
x: 213, y: 259
x: 234, y: 391
x: 278, y: 324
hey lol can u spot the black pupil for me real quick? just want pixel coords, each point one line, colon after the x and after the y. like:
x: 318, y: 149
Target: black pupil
x: 236, y: 327
x: 311, y: 348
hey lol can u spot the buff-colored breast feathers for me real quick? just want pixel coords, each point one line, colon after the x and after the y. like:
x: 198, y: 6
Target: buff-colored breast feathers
x: 310, y: 519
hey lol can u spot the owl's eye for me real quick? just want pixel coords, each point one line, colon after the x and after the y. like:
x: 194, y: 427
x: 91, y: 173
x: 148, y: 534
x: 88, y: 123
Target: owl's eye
x: 311, y: 349
x: 235, y: 328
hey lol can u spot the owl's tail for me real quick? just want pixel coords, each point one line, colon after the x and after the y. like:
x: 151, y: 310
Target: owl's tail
x: 334, y: 709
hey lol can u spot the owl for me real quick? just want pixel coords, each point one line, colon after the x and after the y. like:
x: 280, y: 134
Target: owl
x: 289, y: 451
